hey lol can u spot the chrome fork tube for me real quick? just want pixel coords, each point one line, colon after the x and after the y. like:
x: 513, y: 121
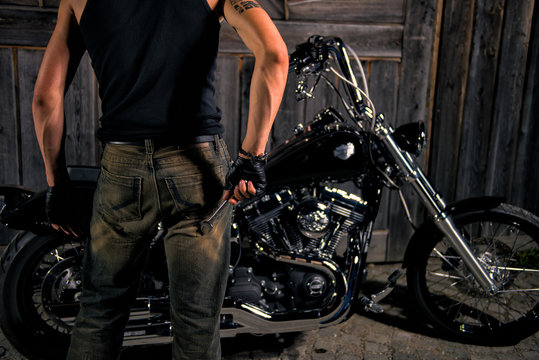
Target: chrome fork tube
x: 435, y: 205
x: 413, y: 175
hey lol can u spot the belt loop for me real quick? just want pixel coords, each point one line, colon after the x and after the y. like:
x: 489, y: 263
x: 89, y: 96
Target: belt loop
x: 216, y: 143
x: 149, y: 145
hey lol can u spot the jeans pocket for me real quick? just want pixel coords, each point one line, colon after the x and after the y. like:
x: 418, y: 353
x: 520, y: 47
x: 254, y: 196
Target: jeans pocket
x: 188, y: 195
x: 119, y: 197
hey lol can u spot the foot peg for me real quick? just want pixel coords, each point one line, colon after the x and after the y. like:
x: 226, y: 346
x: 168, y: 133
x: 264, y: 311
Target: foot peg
x: 370, y: 303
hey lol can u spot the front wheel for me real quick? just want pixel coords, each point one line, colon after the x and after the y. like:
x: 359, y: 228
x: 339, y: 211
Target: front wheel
x: 505, y: 240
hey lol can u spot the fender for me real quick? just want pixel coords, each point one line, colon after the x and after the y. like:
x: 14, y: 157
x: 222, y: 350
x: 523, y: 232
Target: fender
x: 24, y: 209
x: 428, y: 228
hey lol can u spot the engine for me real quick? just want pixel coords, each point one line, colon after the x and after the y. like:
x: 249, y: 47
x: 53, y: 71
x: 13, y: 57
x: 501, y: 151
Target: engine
x: 293, y: 224
x: 301, y: 223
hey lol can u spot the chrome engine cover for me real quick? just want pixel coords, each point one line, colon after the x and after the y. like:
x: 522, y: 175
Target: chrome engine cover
x: 313, y: 218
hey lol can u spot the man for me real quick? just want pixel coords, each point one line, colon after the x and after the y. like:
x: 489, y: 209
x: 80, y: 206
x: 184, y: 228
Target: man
x: 163, y: 160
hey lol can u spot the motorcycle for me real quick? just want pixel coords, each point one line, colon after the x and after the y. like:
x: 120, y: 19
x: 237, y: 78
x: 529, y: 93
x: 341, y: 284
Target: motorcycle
x: 299, y: 251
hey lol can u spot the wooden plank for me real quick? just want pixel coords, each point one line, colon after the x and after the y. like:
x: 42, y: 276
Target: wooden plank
x: 525, y: 191
x: 419, y: 38
x: 81, y: 118
x: 20, y: 2
x: 414, y: 80
x: 450, y: 93
x: 34, y: 27
x: 509, y: 96
x: 51, y: 3
x: 479, y: 100
x: 26, y: 27
x: 33, y: 170
x: 274, y: 8
x: 378, y: 246
x: 9, y: 134
x: 383, y: 85
x: 374, y: 40
x: 356, y: 11
x: 227, y: 96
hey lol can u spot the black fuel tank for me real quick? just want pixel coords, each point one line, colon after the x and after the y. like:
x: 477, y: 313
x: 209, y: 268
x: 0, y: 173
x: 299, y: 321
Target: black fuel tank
x: 326, y: 150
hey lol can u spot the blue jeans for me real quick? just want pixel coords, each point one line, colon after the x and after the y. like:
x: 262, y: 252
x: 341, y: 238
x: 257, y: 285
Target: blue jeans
x: 140, y: 186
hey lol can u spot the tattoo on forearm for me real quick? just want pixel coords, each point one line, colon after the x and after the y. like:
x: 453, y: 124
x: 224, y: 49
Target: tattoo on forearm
x: 244, y: 5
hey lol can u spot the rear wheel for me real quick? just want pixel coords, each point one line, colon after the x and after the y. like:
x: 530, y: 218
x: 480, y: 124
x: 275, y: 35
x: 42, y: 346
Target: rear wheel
x: 40, y: 284
x: 505, y: 240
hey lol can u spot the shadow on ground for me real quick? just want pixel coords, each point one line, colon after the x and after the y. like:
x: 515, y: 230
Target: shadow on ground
x: 400, y: 313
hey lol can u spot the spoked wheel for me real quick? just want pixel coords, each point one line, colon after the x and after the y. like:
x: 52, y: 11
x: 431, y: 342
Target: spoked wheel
x: 40, y: 283
x: 506, y: 242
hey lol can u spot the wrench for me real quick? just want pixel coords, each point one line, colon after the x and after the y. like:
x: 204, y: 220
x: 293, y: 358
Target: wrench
x: 206, y: 226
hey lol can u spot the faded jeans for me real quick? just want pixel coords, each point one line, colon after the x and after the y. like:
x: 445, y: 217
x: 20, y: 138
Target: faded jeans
x: 138, y: 187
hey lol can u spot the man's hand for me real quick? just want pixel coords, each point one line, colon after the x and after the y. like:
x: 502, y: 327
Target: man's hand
x: 62, y: 211
x: 246, y: 178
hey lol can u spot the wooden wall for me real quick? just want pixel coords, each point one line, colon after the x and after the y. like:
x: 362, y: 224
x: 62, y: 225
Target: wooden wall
x: 486, y: 107
x: 430, y: 60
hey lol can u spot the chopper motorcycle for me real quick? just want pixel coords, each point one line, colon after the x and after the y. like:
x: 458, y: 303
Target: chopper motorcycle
x: 299, y: 250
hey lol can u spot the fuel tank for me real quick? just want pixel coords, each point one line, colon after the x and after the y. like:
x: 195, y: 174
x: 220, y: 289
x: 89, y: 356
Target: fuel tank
x: 326, y: 149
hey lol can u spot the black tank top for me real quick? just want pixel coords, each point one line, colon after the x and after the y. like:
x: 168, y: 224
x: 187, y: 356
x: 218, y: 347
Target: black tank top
x: 155, y: 62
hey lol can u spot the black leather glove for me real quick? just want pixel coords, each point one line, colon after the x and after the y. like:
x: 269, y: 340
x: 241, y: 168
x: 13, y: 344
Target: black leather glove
x: 61, y: 208
x: 252, y: 169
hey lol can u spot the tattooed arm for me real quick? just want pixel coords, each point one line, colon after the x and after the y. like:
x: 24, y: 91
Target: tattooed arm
x: 260, y: 35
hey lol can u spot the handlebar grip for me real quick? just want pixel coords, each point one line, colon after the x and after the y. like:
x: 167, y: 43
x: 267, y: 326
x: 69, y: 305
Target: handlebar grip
x: 314, y: 50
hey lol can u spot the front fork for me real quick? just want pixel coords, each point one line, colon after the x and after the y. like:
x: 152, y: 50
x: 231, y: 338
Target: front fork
x: 435, y: 205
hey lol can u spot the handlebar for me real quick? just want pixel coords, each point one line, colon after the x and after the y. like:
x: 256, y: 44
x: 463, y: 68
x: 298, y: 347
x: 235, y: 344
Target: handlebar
x: 313, y: 52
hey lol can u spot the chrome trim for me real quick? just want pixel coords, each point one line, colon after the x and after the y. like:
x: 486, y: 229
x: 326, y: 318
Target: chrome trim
x: 251, y: 323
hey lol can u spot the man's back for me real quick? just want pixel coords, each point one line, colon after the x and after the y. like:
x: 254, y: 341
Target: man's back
x: 154, y: 62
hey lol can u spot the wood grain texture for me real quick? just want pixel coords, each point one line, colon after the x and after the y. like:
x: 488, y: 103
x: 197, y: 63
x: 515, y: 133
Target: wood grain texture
x: 383, y: 86
x: 9, y: 132
x: 414, y: 87
x: 384, y: 82
x: 20, y: 2
x: 450, y: 91
x: 509, y: 96
x: 32, y: 27
x: 355, y: 11
x: 479, y: 101
x: 417, y: 58
x: 375, y: 40
x: 525, y: 184
x: 274, y: 8
x: 51, y: 3
x: 33, y: 171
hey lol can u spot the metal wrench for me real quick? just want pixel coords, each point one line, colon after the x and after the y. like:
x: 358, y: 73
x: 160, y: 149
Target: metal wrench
x: 206, y: 226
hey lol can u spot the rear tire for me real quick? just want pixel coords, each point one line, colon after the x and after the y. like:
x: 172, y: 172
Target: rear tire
x: 39, y: 287
x: 506, y: 240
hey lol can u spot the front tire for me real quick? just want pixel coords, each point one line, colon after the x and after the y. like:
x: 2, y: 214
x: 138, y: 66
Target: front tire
x: 39, y: 287
x: 506, y: 241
